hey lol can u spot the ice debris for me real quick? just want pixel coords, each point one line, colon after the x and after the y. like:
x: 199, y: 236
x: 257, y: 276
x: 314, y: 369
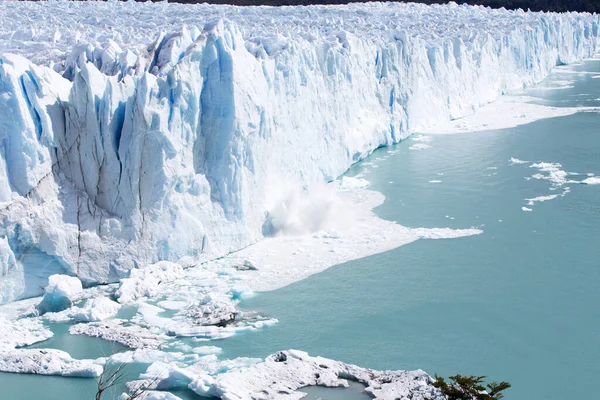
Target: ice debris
x: 145, y: 282
x: 62, y: 291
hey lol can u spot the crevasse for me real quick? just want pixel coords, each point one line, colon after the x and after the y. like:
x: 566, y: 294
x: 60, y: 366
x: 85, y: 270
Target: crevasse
x: 177, y: 150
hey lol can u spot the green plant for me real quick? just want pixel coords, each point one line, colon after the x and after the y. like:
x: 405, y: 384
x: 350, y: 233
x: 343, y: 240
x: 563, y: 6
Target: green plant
x: 470, y: 388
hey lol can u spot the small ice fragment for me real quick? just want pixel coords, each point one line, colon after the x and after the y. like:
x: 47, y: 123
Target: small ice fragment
x: 591, y: 181
x: 514, y: 161
x: 61, y: 292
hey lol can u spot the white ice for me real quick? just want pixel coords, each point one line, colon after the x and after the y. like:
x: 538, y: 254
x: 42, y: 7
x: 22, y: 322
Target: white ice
x: 594, y: 180
x: 47, y: 362
x: 507, y: 112
x: 143, y: 132
x: 62, y: 291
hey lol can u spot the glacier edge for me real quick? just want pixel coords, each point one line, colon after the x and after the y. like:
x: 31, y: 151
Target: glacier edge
x: 180, y: 152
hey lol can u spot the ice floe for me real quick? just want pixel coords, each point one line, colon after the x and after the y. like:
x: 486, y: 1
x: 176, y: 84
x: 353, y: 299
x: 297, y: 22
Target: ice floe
x: 594, y: 180
x: 284, y: 374
x: 120, y: 331
x: 47, y: 362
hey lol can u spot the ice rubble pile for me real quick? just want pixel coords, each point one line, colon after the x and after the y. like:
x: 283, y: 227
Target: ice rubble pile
x: 139, y: 132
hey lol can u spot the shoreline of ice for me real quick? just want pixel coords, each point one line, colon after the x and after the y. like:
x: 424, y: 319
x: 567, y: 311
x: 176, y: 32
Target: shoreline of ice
x: 508, y: 111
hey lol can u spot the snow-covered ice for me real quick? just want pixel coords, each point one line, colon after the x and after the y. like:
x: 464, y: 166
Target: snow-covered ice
x: 47, y: 362
x: 284, y: 374
x: 143, y: 132
x: 145, y: 282
x: 21, y: 332
x: 120, y: 331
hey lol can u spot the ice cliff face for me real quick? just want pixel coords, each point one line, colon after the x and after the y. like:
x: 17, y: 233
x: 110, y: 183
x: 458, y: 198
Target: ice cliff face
x: 177, y: 147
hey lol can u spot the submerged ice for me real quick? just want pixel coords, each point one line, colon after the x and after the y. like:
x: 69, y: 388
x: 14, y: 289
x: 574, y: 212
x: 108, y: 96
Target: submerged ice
x: 184, y: 146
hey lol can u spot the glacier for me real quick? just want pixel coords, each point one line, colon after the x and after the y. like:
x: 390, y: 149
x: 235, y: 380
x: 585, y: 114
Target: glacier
x: 136, y: 133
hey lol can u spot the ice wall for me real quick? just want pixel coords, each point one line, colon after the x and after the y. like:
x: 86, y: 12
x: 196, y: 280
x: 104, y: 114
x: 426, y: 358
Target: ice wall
x: 177, y: 149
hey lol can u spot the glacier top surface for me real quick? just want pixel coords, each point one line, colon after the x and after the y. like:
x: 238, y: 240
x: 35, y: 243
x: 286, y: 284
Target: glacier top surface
x: 46, y: 32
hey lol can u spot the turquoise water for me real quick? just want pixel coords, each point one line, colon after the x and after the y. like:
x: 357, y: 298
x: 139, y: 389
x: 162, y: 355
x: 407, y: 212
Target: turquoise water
x: 518, y: 303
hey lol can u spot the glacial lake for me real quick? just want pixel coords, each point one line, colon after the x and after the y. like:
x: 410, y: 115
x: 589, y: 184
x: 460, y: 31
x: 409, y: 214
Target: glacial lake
x: 519, y: 302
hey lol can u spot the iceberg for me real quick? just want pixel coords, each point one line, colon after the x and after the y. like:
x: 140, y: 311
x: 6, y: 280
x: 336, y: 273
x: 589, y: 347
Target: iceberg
x: 138, y: 133
x: 61, y: 292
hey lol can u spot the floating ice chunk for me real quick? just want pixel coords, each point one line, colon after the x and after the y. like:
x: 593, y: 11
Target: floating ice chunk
x: 554, y: 171
x: 594, y: 180
x: 149, y: 356
x: 117, y: 330
x: 514, y: 161
x: 435, y: 181
x: 47, y: 362
x: 349, y: 183
x: 422, y: 138
x: 145, y: 282
x: 96, y: 309
x: 526, y: 209
x: 539, y: 199
x: 282, y: 375
x: 61, y: 292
